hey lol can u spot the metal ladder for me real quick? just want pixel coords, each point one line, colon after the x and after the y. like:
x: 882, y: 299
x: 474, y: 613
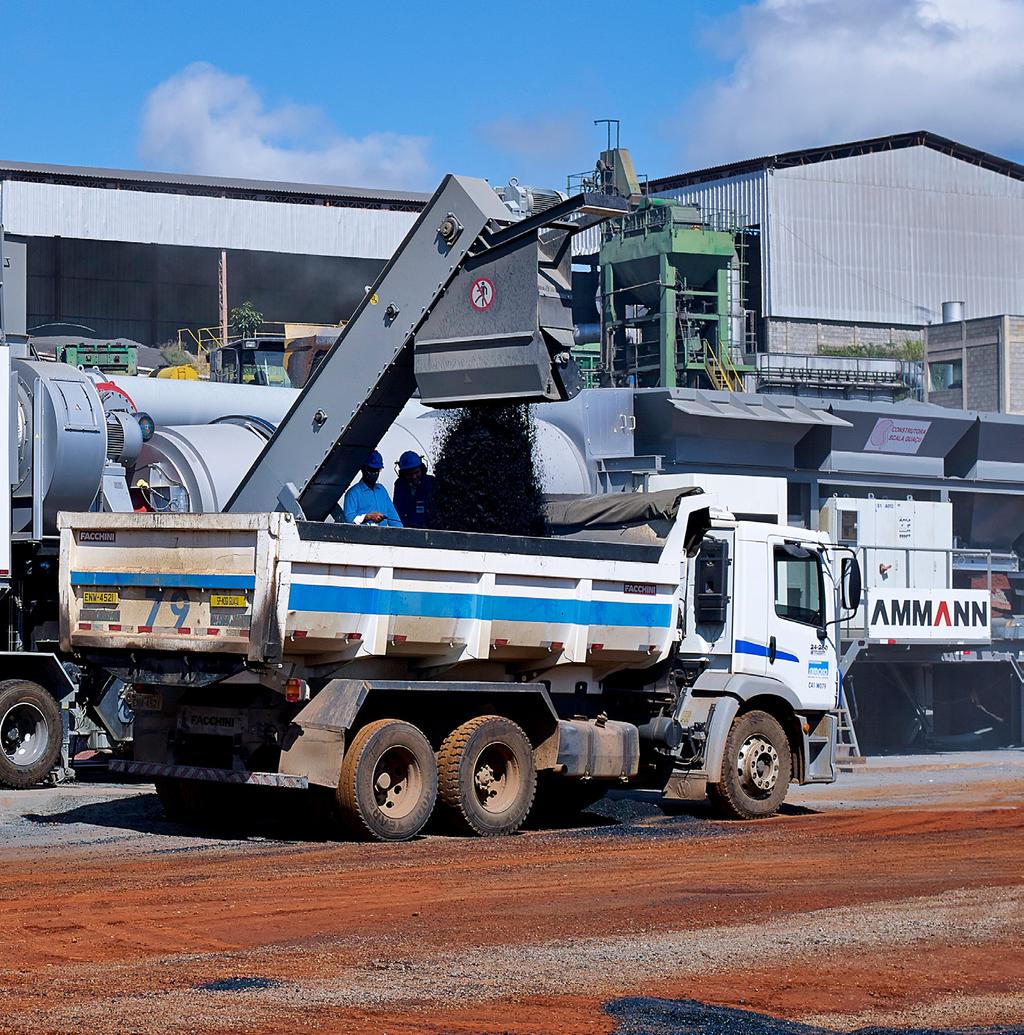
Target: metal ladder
x: 847, y: 748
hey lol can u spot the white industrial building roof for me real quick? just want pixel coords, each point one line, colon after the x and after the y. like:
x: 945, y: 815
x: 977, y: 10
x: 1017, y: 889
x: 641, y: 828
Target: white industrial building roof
x: 217, y: 186
x: 204, y: 211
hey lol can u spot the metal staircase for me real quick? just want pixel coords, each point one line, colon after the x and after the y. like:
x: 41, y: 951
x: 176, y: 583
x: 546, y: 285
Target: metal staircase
x: 721, y: 371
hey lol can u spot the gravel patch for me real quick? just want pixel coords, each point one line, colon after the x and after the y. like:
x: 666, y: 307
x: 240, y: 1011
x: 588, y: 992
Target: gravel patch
x: 617, y: 965
x: 642, y: 1015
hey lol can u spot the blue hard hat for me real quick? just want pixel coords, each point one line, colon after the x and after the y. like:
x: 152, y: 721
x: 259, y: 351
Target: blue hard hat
x: 410, y: 460
x: 374, y: 461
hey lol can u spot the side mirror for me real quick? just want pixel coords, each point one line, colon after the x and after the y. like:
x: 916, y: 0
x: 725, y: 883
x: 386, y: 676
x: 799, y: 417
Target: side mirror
x: 850, y: 583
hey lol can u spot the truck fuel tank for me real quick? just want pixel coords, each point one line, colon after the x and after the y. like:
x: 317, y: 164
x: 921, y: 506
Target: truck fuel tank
x: 600, y: 749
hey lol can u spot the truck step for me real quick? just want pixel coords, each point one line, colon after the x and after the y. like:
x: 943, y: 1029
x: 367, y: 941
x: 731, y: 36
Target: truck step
x: 192, y: 772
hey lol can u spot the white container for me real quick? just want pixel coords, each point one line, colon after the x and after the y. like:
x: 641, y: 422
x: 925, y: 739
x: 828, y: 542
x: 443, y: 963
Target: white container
x: 900, y: 543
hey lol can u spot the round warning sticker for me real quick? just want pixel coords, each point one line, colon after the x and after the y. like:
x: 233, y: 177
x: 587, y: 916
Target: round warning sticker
x: 481, y: 294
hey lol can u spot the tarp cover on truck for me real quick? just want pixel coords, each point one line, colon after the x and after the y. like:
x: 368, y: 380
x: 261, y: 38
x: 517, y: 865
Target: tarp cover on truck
x: 639, y: 517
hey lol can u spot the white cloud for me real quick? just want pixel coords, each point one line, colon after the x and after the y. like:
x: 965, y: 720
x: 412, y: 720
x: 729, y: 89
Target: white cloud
x: 552, y: 137
x: 542, y: 149
x: 812, y: 72
x: 205, y: 121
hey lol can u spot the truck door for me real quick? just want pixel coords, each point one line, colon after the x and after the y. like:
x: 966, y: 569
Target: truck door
x: 800, y: 651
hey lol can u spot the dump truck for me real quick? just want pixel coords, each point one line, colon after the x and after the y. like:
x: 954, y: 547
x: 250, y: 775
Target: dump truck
x: 395, y: 672
x: 388, y: 673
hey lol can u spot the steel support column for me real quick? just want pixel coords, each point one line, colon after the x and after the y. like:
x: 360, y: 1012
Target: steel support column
x: 667, y: 324
x: 724, y: 314
x: 608, y: 317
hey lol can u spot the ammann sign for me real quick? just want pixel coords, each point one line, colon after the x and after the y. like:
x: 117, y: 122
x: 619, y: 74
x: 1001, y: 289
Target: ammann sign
x: 953, y: 615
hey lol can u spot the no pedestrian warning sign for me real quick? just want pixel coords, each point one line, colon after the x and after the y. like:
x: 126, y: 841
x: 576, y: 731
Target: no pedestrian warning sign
x: 481, y: 294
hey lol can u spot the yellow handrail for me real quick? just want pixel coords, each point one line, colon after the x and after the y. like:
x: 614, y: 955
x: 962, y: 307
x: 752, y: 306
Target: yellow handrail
x: 721, y: 370
x: 208, y: 339
x: 204, y: 339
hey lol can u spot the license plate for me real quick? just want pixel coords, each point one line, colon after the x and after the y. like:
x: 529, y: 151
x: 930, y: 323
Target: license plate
x: 146, y: 702
x: 228, y: 600
x: 101, y: 596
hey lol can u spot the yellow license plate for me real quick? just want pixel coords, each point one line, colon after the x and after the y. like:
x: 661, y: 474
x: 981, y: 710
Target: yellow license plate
x: 108, y: 597
x: 228, y: 600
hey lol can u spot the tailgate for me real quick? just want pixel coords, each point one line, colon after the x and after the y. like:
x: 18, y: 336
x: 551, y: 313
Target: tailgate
x: 191, y: 582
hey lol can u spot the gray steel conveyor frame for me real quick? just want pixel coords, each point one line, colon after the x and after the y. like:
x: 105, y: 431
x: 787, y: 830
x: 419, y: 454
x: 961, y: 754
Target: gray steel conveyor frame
x: 367, y: 377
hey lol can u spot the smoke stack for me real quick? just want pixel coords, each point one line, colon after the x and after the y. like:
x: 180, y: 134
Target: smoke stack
x: 952, y: 312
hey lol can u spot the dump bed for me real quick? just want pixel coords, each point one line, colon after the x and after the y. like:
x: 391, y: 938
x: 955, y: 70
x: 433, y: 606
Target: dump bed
x: 269, y: 587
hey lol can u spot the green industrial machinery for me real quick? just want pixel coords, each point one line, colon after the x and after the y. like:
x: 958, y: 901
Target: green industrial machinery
x: 671, y: 295
x: 587, y: 356
x: 112, y: 357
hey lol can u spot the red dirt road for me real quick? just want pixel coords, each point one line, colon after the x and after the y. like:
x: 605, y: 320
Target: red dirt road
x: 845, y: 915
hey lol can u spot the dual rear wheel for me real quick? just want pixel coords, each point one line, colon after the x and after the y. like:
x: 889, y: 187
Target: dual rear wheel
x: 482, y: 779
x: 388, y: 783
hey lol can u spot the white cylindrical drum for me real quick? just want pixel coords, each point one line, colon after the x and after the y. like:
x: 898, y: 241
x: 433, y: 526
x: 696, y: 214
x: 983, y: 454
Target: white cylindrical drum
x: 173, y: 402
x: 195, y: 469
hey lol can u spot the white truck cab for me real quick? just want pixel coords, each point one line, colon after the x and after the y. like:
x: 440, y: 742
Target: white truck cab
x: 759, y: 649
x: 781, y: 608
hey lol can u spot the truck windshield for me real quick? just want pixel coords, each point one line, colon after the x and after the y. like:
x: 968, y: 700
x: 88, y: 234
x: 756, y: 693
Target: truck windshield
x: 798, y: 585
x: 265, y: 367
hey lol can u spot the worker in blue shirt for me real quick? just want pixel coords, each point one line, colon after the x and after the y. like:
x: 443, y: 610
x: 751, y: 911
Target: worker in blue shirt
x: 413, y: 489
x: 367, y: 502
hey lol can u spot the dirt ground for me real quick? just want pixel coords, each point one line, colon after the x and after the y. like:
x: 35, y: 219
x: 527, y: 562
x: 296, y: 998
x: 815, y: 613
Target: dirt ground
x: 891, y: 900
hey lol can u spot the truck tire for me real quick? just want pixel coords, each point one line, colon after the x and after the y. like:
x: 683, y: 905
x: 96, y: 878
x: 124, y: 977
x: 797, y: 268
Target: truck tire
x: 31, y: 733
x: 388, y: 783
x: 756, y: 768
x: 486, y: 776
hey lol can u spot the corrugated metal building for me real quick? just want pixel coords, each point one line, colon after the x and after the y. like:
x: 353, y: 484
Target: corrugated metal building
x: 135, y: 255
x: 855, y: 244
x: 861, y: 243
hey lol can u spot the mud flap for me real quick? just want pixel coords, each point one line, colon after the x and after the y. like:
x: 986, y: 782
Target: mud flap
x: 819, y: 750
x: 685, y: 787
x: 314, y: 743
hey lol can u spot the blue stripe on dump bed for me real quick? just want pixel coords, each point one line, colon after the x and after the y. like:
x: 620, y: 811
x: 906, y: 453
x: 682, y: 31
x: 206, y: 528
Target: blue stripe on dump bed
x: 369, y: 600
x: 761, y: 651
x: 155, y: 578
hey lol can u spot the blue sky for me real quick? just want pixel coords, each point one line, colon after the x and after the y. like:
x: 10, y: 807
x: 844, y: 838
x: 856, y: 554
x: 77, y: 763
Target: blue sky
x: 396, y: 94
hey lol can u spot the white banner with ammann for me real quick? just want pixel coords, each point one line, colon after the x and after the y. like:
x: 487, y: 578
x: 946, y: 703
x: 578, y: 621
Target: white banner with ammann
x: 935, y: 615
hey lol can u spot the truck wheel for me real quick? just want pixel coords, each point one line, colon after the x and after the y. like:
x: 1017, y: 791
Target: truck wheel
x: 486, y: 778
x: 31, y: 733
x: 756, y: 768
x: 388, y: 783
